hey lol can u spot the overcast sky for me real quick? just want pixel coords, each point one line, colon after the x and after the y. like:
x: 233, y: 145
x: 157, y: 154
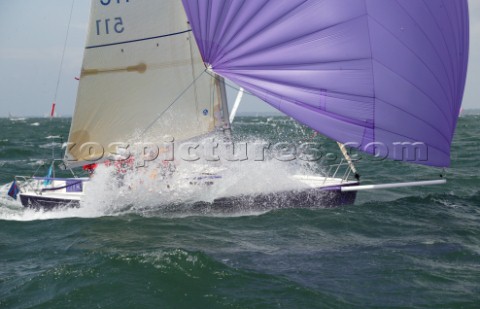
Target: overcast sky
x: 32, y: 35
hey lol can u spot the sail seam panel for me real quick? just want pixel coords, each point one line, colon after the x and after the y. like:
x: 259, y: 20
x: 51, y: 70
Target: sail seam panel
x: 465, y: 50
x: 138, y: 40
x: 349, y: 120
x: 465, y: 22
x: 275, y: 22
x: 207, y: 25
x: 415, y: 86
x: 299, y: 66
x: 373, y: 74
x: 459, y: 46
x: 412, y: 139
x: 308, y: 89
x: 290, y: 42
x: 416, y: 117
x: 219, y: 50
x: 434, y: 49
x: 416, y: 56
x: 452, y: 67
x: 215, y: 35
x: 456, y: 46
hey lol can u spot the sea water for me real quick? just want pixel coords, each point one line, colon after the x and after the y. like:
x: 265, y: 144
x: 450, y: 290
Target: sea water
x: 411, y: 247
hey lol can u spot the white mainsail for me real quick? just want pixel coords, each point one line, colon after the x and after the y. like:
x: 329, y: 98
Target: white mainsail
x: 142, y: 74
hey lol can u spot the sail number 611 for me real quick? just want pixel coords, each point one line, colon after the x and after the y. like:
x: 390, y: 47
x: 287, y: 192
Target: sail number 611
x: 107, y: 25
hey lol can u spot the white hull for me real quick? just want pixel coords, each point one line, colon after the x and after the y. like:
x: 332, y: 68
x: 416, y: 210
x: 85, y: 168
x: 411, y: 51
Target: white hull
x: 312, y: 191
x: 35, y: 193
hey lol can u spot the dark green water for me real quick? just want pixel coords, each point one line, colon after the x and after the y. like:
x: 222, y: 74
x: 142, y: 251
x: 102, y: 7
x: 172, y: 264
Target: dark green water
x: 417, y: 247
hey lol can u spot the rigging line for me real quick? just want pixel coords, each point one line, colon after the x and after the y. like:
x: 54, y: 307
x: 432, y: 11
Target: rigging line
x: 41, y: 165
x: 304, y: 105
x: 173, y: 103
x: 232, y: 86
x: 238, y: 88
x: 245, y: 91
x: 64, y: 49
x: 215, y: 76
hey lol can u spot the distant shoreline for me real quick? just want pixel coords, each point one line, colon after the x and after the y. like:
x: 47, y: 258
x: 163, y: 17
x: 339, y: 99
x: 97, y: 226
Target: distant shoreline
x: 467, y: 111
x: 69, y: 117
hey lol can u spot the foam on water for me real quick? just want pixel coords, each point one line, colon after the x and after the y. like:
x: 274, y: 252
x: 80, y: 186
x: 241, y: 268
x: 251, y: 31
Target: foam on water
x: 144, y: 191
x: 50, y: 145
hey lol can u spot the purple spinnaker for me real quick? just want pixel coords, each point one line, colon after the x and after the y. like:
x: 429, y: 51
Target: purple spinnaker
x: 383, y: 76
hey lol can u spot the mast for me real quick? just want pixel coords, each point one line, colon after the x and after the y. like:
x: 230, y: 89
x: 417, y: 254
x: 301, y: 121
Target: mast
x: 225, y: 116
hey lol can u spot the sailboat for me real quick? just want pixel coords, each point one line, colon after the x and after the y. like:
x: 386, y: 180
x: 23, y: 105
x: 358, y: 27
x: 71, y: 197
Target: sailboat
x: 13, y: 118
x: 384, y: 77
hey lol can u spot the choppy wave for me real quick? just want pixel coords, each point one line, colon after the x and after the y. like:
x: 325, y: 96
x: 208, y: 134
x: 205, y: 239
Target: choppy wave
x: 136, y: 243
